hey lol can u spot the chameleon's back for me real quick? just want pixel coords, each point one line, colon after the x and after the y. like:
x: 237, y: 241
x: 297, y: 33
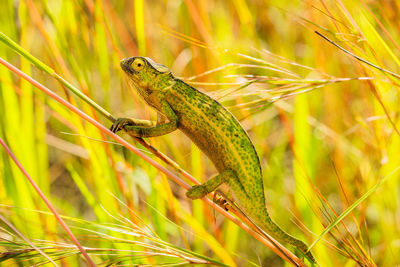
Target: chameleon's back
x: 217, y: 132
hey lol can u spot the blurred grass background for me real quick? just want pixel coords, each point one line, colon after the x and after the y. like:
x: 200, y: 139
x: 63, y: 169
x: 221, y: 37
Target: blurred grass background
x: 324, y: 135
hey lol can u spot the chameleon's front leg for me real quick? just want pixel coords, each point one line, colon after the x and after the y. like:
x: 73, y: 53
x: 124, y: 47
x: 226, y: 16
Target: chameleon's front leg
x: 144, y: 128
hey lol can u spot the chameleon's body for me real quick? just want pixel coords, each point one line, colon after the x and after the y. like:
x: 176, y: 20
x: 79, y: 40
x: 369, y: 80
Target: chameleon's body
x: 213, y: 129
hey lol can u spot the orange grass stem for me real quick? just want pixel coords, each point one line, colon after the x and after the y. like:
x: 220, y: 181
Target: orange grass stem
x: 52, y: 209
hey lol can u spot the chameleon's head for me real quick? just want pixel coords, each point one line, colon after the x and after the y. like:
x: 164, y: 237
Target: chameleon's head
x: 145, y: 74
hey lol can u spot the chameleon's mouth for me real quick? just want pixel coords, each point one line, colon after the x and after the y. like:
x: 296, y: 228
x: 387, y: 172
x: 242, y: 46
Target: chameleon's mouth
x: 126, y: 64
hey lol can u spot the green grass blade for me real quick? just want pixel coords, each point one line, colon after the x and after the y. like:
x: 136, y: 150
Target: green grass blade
x: 353, y: 206
x: 39, y: 64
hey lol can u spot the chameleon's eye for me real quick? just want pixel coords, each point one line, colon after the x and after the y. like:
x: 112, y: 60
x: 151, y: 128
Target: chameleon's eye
x: 138, y: 64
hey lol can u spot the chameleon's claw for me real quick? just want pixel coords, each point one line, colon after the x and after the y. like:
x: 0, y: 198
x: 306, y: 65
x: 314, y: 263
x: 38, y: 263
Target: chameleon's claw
x: 120, y: 123
x: 112, y: 128
x: 220, y: 201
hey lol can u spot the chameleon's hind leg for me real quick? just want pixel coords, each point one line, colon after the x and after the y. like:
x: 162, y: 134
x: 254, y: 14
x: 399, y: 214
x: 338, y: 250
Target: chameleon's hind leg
x: 199, y: 191
x: 254, y: 209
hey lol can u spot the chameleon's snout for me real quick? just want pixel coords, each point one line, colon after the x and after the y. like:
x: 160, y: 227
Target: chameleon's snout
x: 126, y: 64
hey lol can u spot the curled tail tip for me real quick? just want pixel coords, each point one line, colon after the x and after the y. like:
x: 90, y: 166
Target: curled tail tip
x: 307, y: 254
x: 300, y: 245
x: 311, y: 258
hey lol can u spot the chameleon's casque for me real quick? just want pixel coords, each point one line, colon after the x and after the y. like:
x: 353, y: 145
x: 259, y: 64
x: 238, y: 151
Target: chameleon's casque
x: 213, y: 129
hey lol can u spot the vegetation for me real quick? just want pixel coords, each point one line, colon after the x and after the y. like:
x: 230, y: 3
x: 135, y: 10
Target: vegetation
x: 324, y: 123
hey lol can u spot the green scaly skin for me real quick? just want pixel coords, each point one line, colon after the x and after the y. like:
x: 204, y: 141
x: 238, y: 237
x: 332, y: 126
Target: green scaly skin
x: 213, y: 129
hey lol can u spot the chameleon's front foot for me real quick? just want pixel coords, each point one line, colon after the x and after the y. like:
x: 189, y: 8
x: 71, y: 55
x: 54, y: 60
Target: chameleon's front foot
x: 120, y: 123
x: 197, y: 191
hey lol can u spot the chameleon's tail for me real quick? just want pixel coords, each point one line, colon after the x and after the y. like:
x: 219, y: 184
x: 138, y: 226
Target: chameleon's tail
x: 272, y: 228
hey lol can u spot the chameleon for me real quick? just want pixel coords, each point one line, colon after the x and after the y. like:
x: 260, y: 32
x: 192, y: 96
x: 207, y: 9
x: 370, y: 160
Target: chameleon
x: 213, y: 129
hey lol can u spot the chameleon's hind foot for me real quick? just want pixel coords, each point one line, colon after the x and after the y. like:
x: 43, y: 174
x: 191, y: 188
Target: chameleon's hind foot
x: 197, y: 191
